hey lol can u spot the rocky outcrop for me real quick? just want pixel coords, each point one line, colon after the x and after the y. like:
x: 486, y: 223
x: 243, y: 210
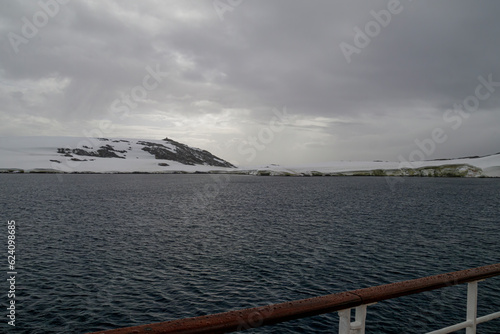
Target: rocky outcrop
x: 182, y: 153
x: 106, y: 151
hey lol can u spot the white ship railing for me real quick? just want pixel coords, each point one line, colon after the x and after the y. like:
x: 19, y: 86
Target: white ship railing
x: 343, y: 303
x: 470, y: 324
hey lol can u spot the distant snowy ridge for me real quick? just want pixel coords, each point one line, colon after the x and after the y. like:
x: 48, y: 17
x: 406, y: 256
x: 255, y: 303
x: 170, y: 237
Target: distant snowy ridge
x: 487, y: 166
x: 123, y: 155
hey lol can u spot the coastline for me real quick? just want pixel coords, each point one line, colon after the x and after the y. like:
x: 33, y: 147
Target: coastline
x: 452, y: 170
x: 42, y: 155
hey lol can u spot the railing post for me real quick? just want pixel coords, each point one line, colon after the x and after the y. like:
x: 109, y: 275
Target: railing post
x: 356, y: 327
x: 471, y: 307
x: 345, y: 321
x: 359, y: 324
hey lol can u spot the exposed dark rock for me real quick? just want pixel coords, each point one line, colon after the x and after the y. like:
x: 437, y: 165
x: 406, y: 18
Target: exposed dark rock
x: 112, y: 149
x: 163, y: 164
x: 471, y: 157
x: 161, y: 152
x: 106, y: 151
x: 55, y: 161
x: 183, y: 154
x: 79, y: 151
x: 11, y: 170
x: 66, y: 152
x: 379, y: 172
x: 147, y: 143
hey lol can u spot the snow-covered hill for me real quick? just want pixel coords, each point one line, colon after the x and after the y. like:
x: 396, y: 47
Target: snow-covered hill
x: 103, y: 155
x: 121, y: 155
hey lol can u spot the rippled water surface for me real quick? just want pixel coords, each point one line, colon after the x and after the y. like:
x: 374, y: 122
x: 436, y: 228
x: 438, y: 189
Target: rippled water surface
x: 98, y: 252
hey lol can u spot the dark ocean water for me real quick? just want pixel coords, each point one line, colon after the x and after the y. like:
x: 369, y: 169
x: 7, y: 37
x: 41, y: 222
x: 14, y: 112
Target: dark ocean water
x: 98, y: 252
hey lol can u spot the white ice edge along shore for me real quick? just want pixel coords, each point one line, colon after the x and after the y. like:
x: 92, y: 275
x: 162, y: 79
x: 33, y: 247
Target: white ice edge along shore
x: 39, y: 154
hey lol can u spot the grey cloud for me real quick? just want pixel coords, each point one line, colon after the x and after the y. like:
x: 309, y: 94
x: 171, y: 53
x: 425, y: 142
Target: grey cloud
x: 263, y: 55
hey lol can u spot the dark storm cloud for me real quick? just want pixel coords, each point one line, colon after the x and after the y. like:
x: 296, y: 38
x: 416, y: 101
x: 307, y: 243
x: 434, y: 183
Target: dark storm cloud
x: 223, y: 77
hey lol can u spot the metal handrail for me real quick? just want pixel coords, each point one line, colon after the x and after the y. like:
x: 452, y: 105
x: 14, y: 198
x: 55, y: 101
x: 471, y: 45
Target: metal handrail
x: 233, y: 321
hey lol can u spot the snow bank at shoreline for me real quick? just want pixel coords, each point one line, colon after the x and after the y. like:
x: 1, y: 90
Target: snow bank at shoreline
x: 488, y: 166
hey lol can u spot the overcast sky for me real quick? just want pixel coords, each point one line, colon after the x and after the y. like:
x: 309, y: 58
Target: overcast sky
x: 258, y: 81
